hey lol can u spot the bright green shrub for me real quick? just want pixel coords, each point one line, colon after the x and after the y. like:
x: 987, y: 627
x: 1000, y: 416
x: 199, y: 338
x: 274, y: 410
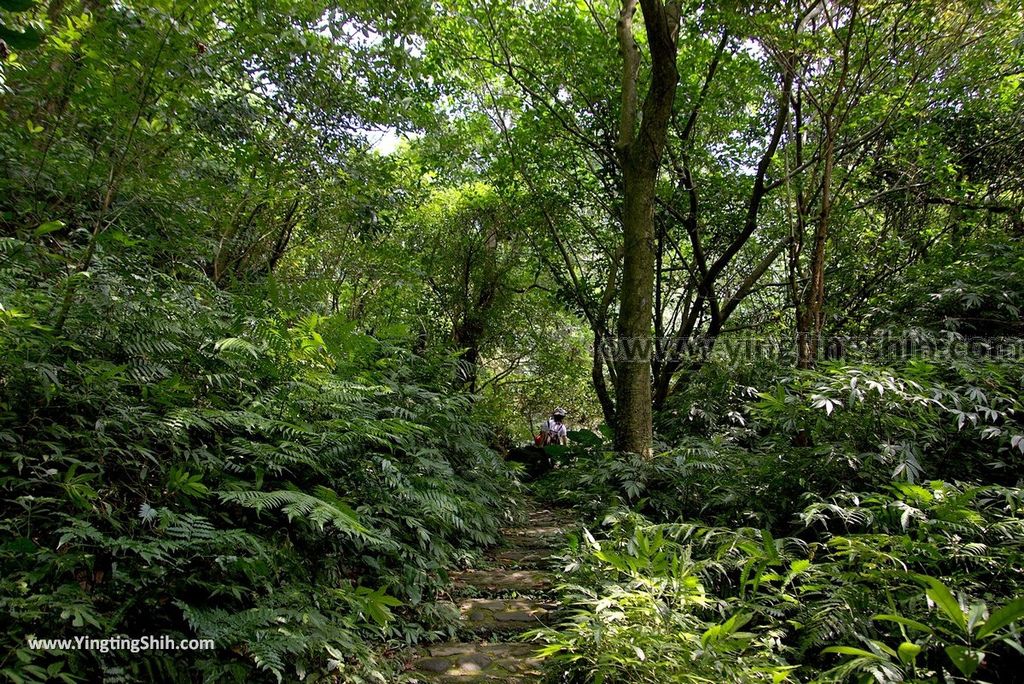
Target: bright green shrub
x: 718, y: 604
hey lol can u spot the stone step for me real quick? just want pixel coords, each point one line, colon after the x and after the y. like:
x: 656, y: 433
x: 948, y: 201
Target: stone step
x: 534, y: 530
x: 549, y: 518
x: 527, y: 549
x: 503, y: 580
x: 511, y: 663
x: 522, y: 558
x: 539, y: 537
x: 505, y: 615
x: 563, y: 513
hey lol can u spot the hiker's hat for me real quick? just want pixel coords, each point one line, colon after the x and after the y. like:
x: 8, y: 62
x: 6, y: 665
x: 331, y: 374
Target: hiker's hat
x: 559, y: 412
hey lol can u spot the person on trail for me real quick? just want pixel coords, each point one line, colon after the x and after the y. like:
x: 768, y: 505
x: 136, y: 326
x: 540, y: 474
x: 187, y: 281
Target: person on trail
x: 553, y: 431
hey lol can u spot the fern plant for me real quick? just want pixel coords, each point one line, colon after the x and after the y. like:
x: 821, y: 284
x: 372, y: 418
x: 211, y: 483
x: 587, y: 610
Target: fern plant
x: 182, y: 461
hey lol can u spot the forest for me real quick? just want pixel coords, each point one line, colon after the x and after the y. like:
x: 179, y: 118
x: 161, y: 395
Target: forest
x: 294, y: 296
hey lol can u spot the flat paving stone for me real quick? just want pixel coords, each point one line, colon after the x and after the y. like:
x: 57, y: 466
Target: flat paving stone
x: 489, y: 614
x: 522, y: 581
x: 545, y: 542
x: 521, y: 557
x: 453, y: 649
x: 513, y: 616
x: 514, y: 533
x: 433, y: 664
x: 549, y: 518
x: 478, y: 662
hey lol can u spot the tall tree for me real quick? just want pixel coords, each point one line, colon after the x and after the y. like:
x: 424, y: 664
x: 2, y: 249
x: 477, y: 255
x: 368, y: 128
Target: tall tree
x: 640, y: 147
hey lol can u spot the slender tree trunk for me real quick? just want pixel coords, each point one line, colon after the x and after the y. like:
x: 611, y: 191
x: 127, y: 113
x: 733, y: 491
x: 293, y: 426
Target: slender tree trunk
x: 283, y: 237
x: 597, y: 371
x: 812, y: 318
x: 640, y: 148
x: 100, y: 224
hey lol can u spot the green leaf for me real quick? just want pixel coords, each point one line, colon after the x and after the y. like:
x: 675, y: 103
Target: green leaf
x: 851, y: 651
x: 906, y: 622
x: 943, y: 598
x: 1011, y: 612
x: 21, y: 40
x: 966, y: 659
x: 21, y: 545
x: 17, y: 5
x: 585, y: 438
x: 613, y: 559
x: 884, y: 648
x: 237, y: 344
x: 48, y: 227
x: 908, y: 652
x: 975, y: 615
x: 769, y: 546
x: 781, y: 674
x: 798, y: 566
x: 729, y: 627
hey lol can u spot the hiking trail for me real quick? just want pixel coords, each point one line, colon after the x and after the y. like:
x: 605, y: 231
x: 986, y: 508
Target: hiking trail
x: 498, y: 604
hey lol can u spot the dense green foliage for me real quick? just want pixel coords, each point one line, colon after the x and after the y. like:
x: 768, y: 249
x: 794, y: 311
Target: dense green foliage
x: 190, y: 447
x: 184, y: 461
x: 737, y: 554
x: 281, y: 281
x: 860, y: 521
x: 687, y: 602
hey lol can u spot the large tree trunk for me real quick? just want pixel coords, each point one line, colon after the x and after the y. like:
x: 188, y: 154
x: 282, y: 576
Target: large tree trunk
x: 633, y: 390
x: 640, y: 149
x: 470, y: 332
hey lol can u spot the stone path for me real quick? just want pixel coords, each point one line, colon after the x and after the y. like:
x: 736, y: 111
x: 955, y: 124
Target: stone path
x: 496, y: 605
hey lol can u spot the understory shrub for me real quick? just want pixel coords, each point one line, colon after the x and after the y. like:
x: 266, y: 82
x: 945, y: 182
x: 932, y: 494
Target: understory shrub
x: 179, y: 461
x: 752, y: 455
x: 854, y: 522
x: 920, y: 583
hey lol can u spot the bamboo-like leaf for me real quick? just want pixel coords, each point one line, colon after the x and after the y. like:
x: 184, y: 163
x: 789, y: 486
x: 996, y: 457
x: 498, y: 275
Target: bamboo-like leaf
x: 1011, y: 612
